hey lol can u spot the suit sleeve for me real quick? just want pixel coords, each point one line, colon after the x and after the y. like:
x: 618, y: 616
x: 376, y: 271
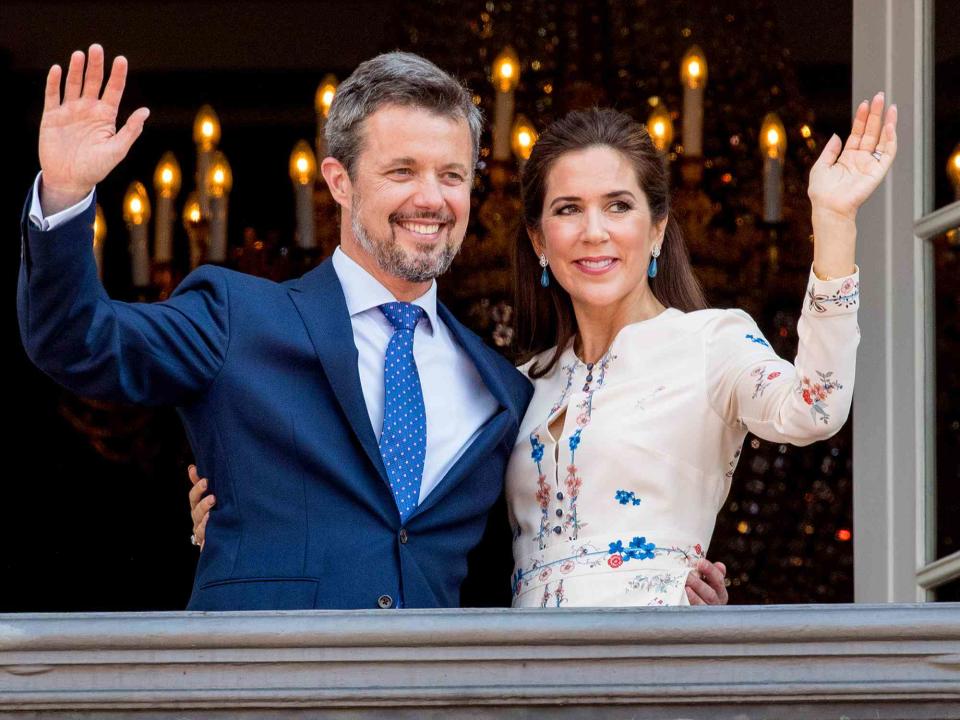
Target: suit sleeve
x: 799, y: 403
x: 164, y: 353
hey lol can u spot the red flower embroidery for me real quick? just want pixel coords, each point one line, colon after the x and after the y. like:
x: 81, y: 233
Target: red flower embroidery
x: 545, y: 574
x: 567, y: 566
x: 615, y: 561
x: 807, y: 397
x: 698, y: 549
x: 773, y: 376
x: 543, y: 492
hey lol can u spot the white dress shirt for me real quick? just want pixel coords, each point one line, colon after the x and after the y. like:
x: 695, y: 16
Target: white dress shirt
x: 456, y: 401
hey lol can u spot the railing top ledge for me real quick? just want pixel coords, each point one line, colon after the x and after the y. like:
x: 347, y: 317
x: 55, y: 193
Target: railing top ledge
x: 487, y: 627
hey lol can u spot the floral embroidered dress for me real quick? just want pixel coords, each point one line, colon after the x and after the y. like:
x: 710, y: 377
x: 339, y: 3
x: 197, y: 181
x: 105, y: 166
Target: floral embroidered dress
x: 618, y: 506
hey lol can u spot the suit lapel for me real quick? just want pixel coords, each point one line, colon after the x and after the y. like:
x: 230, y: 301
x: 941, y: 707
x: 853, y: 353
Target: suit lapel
x: 319, y: 299
x: 493, y: 431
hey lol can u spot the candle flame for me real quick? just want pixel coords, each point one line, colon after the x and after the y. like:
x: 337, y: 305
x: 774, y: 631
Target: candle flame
x: 194, y: 213
x: 218, y: 176
x: 323, y: 98
x: 805, y: 131
x: 207, y: 129
x: 693, y: 68
x: 303, y: 164
x: 506, y: 70
x: 773, y: 137
x: 659, y: 129
x: 523, y: 137
x: 166, y: 177
x: 136, y: 204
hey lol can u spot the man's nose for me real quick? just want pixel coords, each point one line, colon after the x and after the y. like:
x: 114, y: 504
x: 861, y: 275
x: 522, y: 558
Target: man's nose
x: 429, y: 195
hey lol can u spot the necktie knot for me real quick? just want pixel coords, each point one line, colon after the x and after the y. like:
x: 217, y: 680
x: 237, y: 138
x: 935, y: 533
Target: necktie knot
x: 403, y: 316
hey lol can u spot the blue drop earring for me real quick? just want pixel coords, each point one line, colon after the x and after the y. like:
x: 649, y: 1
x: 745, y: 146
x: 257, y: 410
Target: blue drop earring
x: 652, y: 268
x: 544, y: 276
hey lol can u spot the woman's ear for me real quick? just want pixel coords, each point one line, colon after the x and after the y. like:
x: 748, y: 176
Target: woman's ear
x: 536, y: 240
x: 658, y: 231
x: 338, y: 181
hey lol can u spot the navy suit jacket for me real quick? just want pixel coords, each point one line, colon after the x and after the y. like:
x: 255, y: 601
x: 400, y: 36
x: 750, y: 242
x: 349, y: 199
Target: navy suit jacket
x: 264, y: 376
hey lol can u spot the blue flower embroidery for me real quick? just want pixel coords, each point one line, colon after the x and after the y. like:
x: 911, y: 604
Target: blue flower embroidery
x: 626, y: 497
x: 537, y: 446
x: 757, y: 340
x: 575, y: 441
x: 641, y: 549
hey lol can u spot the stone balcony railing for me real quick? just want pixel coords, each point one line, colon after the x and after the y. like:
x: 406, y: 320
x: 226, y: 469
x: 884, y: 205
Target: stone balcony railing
x: 829, y: 661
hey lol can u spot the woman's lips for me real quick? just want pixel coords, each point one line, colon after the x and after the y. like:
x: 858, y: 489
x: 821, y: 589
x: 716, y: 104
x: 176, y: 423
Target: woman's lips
x: 596, y: 265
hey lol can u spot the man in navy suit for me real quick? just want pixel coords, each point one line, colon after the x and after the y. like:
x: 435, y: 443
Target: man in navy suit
x: 356, y: 435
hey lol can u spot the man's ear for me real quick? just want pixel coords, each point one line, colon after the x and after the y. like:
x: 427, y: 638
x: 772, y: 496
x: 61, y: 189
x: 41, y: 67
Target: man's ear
x: 338, y: 181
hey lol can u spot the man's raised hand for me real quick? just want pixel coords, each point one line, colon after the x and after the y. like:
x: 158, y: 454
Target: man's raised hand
x: 79, y: 141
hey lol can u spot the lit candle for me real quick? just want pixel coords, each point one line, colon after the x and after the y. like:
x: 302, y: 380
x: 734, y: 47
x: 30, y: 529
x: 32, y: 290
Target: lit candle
x: 136, y: 213
x: 953, y: 171
x: 193, y: 224
x: 773, y: 145
x: 99, y: 235
x: 303, y: 173
x: 505, y: 77
x: 206, y: 134
x: 219, y: 183
x: 523, y: 138
x: 693, y: 73
x: 660, y: 127
x: 321, y: 103
x: 166, y: 181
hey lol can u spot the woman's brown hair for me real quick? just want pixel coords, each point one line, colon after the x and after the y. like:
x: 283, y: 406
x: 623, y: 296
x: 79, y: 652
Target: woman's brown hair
x: 545, y: 316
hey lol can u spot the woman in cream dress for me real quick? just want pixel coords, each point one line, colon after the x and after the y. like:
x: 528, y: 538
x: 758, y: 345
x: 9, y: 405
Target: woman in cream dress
x: 642, y: 396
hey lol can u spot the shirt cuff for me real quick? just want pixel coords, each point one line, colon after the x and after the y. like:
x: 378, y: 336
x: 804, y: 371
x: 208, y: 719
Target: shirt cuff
x: 50, y: 223
x: 837, y: 296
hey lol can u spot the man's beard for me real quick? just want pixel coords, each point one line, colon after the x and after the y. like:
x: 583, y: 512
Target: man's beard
x: 416, y: 267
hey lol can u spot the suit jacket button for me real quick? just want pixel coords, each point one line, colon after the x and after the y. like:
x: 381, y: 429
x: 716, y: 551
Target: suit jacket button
x: 385, y: 601
x: 403, y: 536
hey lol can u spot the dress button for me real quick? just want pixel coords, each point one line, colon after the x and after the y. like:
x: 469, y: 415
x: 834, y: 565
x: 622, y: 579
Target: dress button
x: 559, y: 512
x: 557, y: 529
x: 559, y: 496
x: 403, y: 536
x: 385, y: 601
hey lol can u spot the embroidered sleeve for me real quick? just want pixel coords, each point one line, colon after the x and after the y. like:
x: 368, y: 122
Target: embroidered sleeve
x: 750, y: 386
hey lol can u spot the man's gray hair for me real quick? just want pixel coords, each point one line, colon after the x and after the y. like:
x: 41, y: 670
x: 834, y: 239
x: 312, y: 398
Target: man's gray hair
x: 395, y: 78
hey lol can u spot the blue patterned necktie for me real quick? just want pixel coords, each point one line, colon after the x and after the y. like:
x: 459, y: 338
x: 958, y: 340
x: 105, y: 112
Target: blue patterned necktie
x: 403, y: 442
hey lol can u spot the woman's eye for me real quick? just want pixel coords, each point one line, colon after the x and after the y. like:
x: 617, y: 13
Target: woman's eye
x: 567, y: 210
x: 620, y: 206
